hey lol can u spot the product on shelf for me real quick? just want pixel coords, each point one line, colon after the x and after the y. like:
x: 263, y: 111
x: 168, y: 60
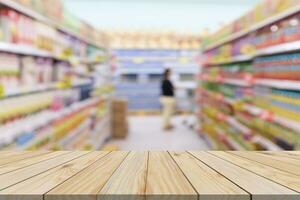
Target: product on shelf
x: 23, y: 30
x: 282, y: 66
x: 51, y: 127
x: 273, y: 104
x: 264, y: 11
x: 253, y: 77
x: 142, y: 68
x: 48, y: 95
x: 9, y: 70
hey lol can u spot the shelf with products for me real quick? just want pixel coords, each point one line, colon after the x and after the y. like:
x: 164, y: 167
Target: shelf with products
x: 226, y: 120
x: 24, y: 75
x: 23, y: 35
x: 30, y: 90
x: 265, y: 14
x: 280, y: 36
x: 276, y: 49
x: 24, y: 127
x: 142, y: 68
x: 282, y: 130
x: 51, y: 129
x: 223, y: 128
x: 29, y: 12
x: 46, y: 71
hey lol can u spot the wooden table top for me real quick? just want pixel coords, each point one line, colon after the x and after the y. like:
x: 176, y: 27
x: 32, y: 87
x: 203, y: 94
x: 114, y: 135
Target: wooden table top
x: 77, y: 175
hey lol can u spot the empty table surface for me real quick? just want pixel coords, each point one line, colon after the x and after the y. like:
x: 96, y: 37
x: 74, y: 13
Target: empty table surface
x: 120, y: 175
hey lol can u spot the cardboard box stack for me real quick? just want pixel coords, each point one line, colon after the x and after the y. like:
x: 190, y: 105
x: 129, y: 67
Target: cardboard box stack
x: 119, y: 118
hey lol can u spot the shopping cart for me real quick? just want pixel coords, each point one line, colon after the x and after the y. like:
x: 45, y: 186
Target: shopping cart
x: 190, y: 119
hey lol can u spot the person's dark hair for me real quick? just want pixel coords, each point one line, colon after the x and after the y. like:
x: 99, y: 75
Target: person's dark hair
x: 166, y: 73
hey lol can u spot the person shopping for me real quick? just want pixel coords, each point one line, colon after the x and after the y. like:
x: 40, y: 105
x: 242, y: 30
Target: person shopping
x: 167, y: 100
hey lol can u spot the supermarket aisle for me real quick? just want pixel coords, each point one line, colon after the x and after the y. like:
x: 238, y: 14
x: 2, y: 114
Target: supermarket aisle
x: 146, y: 134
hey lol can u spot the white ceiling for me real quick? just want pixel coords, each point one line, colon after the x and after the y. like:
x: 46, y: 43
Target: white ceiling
x: 187, y: 16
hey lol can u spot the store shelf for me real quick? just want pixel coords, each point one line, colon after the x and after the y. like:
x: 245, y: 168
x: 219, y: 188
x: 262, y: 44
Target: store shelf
x: 247, y: 133
x: 39, y: 17
x: 272, y: 58
x: 14, y: 129
x: 33, y: 51
x: 102, y: 133
x: 236, y: 59
x: 20, y: 91
x: 267, y: 144
x: 237, y: 82
x: 256, y: 111
x: 69, y: 138
x: 276, y: 49
x: 279, y: 84
x: 255, y: 27
x: 273, y: 83
x: 236, y: 146
x: 23, y: 50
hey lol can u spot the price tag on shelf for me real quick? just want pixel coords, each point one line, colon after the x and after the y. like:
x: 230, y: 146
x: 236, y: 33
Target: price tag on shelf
x: 221, y: 117
x: 204, y: 77
x: 220, y: 78
x: 249, y: 78
x: 220, y: 97
x: 248, y: 135
x: 267, y: 116
x: 2, y: 91
x: 183, y: 60
x: 66, y: 83
x: 222, y: 137
x: 138, y: 60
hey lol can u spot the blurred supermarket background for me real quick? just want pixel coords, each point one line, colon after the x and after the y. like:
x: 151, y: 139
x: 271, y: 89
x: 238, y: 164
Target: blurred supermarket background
x: 86, y: 74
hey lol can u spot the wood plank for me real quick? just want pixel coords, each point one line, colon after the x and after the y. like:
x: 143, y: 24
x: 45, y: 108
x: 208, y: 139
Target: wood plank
x: 165, y: 181
x: 35, y: 187
x: 209, y: 184
x: 12, y: 153
x: 17, y: 176
x: 287, y: 154
x: 297, y: 153
x: 259, y: 187
x: 129, y: 180
x: 9, y: 157
x: 283, y: 156
x: 87, y: 184
x: 284, y: 178
x: 279, y: 162
x: 28, y: 161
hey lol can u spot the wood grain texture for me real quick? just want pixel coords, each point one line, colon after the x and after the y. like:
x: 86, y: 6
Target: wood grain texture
x: 34, y: 188
x: 88, y: 183
x: 28, y: 161
x: 209, y: 184
x: 279, y: 162
x: 149, y: 175
x: 22, y: 174
x: 12, y: 153
x: 259, y: 187
x: 294, y: 155
x: 289, y: 180
x: 165, y: 181
x: 10, y: 157
x: 129, y: 180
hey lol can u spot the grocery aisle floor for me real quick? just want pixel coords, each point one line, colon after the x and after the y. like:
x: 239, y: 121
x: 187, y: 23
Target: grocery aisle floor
x: 146, y: 134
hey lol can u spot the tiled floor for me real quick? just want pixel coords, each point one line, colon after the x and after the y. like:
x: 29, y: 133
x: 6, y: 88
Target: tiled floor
x: 146, y: 134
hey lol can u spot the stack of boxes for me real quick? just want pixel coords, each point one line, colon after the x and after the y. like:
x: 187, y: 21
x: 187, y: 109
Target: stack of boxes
x: 119, y: 118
